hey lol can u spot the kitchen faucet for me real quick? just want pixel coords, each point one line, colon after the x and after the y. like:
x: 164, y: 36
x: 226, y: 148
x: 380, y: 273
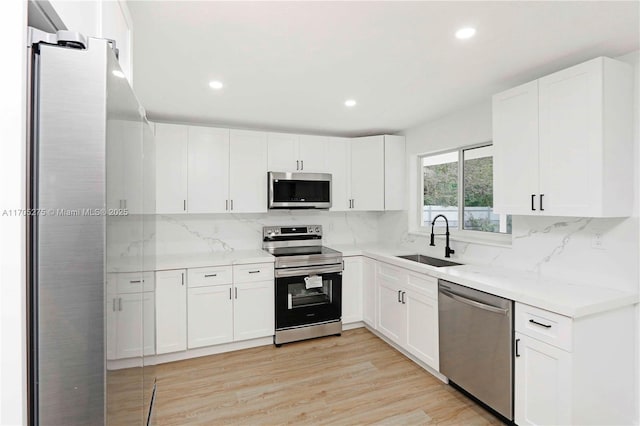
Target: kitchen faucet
x: 447, y: 250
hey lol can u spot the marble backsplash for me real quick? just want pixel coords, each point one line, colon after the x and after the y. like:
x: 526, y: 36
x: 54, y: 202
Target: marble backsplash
x: 202, y: 233
x: 559, y: 247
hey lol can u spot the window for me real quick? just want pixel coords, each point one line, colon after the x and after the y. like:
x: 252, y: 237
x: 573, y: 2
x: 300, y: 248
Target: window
x: 459, y: 185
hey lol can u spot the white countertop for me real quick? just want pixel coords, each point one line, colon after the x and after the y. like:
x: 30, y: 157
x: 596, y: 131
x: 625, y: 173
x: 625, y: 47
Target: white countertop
x: 159, y: 263
x: 566, y: 298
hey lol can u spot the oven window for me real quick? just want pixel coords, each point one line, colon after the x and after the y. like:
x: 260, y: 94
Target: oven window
x: 310, y: 292
x: 285, y: 191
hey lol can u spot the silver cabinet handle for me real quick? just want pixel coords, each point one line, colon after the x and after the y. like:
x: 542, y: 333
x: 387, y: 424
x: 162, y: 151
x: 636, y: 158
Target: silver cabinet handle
x: 135, y: 281
x: 119, y: 303
x: 301, y: 164
x: 210, y: 275
x: 473, y: 303
x: 254, y: 272
x: 404, y: 302
x: 297, y: 164
x: 226, y: 205
x: 229, y: 293
x: 236, y: 289
x: 399, y: 300
x: 182, y: 278
x: 353, y: 203
x: 231, y: 204
x: 184, y: 205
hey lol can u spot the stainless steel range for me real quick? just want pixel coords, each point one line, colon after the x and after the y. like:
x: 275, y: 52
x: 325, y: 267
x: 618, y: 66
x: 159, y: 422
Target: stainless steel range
x: 308, y: 283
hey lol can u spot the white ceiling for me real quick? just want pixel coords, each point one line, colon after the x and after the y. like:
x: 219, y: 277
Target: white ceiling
x: 291, y: 65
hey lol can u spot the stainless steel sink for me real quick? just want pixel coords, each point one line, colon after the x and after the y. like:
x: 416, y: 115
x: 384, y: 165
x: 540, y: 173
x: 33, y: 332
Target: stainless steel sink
x: 431, y: 261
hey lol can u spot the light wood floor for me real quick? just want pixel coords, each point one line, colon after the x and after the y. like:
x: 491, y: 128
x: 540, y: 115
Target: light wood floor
x: 347, y: 380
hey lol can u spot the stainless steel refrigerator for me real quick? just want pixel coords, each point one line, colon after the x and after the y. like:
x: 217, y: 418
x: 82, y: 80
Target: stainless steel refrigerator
x: 88, y: 215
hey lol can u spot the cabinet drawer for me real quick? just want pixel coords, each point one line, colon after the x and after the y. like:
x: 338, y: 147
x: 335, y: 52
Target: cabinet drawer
x: 424, y: 284
x: 390, y: 273
x: 204, y: 277
x: 136, y: 282
x: 545, y: 326
x: 253, y: 272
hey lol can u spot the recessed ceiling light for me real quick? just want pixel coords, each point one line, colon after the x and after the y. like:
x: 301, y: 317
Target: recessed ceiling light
x: 350, y: 103
x: 465, y: 33
x: 215, y: 85
x: 118, y: 73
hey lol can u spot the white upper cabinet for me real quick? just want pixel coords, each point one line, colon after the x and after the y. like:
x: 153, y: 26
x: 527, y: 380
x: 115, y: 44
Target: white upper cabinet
x: 367, y: 173
x: 339, y: 165
x: 248, y: 171
x: 171, y: 168
x: 395, y: 178
x: 312, y: 152
x: 515, y: 145
x: 296, y: 153
x: 283, y: 152
x: 572, y: 131
x: 208, y: 170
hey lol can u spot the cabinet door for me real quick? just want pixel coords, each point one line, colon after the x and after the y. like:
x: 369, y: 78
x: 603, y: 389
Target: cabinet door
x: 395, y: 178
x: 208, y: 170
x: 339, y: 165
x: 171, y: 168
x: 248, y: 171
x: 312, y: 152
x: 571, y: 159
x: 542, y: 383
x: 210, y: 316
x: 367, y: 173
x: 253, y: 310
x: 352, y: 290
x: 171, y: 311
x: 283, y: 152
x: 515, y: 150
x: 369, y: 292
x: 129, y: 325
x: 149, y: 323
x: 422, y: 327
x: 391, y: 311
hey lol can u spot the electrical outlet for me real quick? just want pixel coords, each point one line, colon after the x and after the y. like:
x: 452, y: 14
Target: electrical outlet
x: 597, y: 242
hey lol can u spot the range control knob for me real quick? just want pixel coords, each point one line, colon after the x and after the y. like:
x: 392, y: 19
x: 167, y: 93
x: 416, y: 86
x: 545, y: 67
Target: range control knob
x: 317, y: 229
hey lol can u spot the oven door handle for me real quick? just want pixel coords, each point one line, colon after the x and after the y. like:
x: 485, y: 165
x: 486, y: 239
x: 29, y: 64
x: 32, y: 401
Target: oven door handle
x: 313, y: 270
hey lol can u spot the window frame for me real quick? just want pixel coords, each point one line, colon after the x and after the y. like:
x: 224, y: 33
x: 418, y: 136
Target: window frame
x: 460, y: 234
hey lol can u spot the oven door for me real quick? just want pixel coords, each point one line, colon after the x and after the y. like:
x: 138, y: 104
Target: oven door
x: 307, y: 298
x: 299, y: 190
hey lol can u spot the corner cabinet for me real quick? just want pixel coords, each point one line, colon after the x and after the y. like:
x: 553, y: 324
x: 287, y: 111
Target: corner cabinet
x: 563, y: 143
x: 573, y: 370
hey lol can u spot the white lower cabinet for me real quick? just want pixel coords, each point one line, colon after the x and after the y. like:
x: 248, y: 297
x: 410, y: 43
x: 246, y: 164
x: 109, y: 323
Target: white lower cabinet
x: 352, y: 290
x: 171, y: 311
x: 408, y: 311
x: 369, y: 293
x: 210, y: 310
x: 229, y: 304
x: 543, y: 378
x: 574, y: 370
x: 130, y: 317
x: 253, y: 310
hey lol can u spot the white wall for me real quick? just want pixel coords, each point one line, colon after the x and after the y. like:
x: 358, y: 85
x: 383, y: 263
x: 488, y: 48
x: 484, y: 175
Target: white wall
x: 555, y: 247
x: 13, y: 20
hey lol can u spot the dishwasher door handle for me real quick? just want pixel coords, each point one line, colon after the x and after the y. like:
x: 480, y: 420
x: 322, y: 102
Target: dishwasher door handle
x: 475, y: 304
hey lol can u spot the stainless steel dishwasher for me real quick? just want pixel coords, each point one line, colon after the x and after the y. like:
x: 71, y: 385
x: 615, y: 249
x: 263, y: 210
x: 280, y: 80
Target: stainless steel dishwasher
x: 476, y: 344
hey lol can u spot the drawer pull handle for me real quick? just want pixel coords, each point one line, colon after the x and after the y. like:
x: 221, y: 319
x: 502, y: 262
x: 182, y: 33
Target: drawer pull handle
x: 517, y: 353
x: 135, y: 281
x: 210, y: 275
x: 254, y: 272
x: 540, y: 324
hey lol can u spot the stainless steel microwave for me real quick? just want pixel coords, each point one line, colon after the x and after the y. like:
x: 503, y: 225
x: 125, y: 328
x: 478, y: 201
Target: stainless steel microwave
x: 299, y: 190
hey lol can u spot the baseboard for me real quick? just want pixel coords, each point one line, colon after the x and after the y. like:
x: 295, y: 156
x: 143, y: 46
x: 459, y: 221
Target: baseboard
x: 352, y: 325
x: 188, y: 354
